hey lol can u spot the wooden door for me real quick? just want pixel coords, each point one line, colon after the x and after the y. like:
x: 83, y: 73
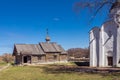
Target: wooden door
x: 110, y: 61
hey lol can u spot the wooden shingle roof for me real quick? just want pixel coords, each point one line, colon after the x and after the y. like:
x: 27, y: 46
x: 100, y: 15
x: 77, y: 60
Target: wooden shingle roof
x: 50, y: 47
x: 63, y: 51
x: 29, y: 49
x: 38, y: 49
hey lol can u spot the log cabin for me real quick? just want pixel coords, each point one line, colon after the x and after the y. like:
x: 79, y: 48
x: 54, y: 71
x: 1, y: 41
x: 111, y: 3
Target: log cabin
x: 44, y: 52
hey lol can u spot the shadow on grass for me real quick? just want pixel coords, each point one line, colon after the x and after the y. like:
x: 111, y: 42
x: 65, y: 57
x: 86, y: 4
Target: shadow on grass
x: 58, y: 69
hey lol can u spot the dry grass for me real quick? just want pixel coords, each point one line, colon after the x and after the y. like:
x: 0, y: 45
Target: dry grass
x: 51, y: 72
x: 2, y: 64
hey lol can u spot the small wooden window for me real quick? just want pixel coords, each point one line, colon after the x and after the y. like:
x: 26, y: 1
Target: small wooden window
x: 39, y: 58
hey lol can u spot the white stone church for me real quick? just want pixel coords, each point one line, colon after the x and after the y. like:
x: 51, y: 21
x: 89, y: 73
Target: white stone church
x: 105, y: 41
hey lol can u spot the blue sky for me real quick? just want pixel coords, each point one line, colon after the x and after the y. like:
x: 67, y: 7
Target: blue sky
x: 26, y: 21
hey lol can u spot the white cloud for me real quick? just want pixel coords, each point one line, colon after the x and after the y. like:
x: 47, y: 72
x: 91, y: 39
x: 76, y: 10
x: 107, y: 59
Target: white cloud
x: 56, y: 19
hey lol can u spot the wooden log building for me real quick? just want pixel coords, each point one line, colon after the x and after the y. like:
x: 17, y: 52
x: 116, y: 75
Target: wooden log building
x: 43, y: 52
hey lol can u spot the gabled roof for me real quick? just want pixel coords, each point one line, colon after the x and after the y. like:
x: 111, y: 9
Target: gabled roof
x: 29, y: 49
x: 94, y: 29
x: 63, y: 51
x: 51, y: 47
x: 38, y: 49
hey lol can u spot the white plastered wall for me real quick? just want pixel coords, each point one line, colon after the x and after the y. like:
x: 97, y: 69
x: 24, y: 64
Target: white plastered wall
x: 94, y: 47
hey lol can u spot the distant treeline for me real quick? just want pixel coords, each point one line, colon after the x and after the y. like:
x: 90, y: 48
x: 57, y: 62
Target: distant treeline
x: 78, y: 52
x: 6, y: 57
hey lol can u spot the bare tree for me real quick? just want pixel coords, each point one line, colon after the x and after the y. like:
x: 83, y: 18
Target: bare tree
x: 78, y: 52
x: 0, y: 59
x: 7, y: 58
x: 94, y: 5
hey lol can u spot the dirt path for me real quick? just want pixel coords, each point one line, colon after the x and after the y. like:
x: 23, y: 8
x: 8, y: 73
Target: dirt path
x: 4, y: 67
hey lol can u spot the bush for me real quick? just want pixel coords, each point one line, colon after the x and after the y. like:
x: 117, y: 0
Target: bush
x: 8, y: 58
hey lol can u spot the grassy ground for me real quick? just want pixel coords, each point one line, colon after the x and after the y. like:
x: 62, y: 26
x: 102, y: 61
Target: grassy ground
x: 51, y: 72
x: 2, y: 64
